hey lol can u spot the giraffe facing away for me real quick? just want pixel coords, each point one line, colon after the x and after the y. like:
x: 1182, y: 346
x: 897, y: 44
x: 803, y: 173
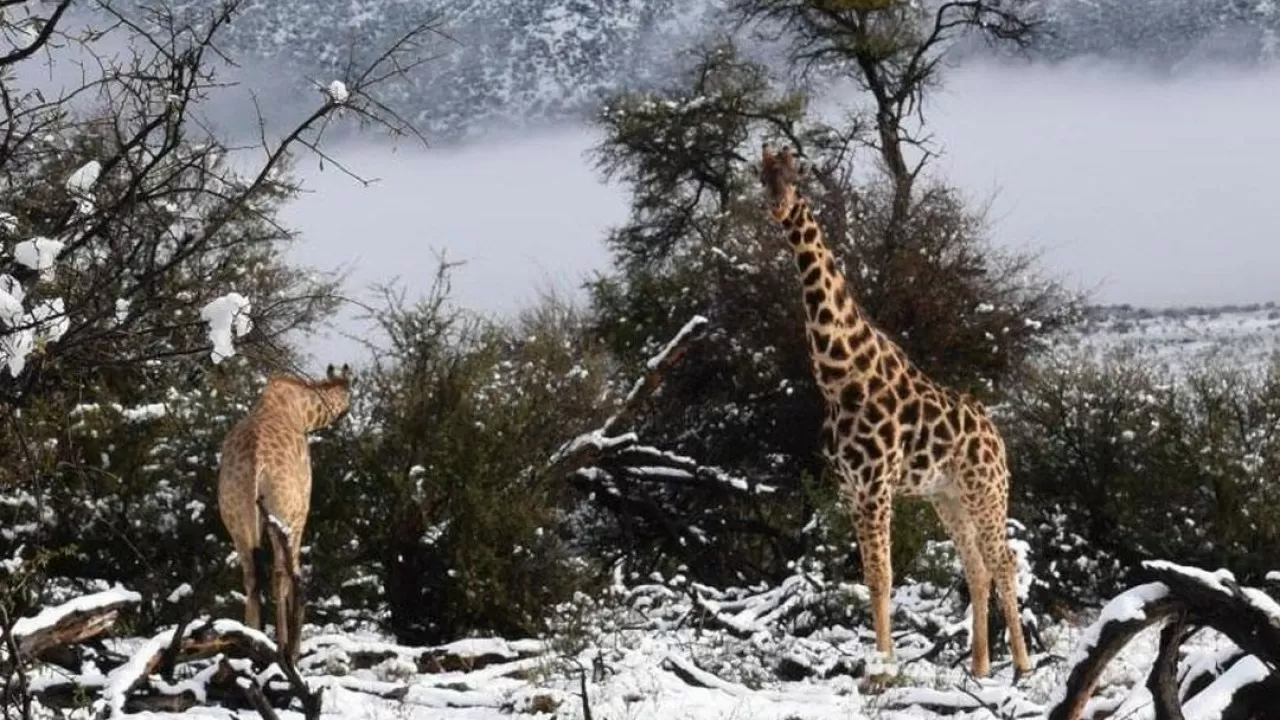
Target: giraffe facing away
x: 266, y: 455
x: 891, y: 431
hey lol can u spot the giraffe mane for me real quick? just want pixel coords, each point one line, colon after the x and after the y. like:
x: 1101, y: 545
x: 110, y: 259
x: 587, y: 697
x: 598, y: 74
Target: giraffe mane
x: 295, y: 381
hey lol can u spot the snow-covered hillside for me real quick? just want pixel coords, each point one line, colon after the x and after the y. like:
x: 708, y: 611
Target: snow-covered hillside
x: 546, y: 60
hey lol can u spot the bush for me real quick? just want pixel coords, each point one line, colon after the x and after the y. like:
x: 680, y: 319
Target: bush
x: 1118, y: 460
x: 445, y: 500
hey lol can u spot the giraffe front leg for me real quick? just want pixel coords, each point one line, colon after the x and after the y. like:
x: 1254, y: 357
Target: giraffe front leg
x: 872, y: 514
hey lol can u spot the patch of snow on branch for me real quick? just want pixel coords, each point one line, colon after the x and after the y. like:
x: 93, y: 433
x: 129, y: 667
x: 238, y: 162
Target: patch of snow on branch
x: 694, y: 324
x: 39, y: 254
x: 338, y: 92
x: 1128, y: 605
x: 1212, y: 580
x: 596, y: 439
x: 1212, y: 702
x: 227, y: 316
x: 82, y: 181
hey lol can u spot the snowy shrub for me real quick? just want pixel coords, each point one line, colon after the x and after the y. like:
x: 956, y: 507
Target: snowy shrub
x: 444, y: 499
x: 1118, y: 460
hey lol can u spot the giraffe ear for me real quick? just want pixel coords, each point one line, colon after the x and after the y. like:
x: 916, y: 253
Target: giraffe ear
x: 328, y: 372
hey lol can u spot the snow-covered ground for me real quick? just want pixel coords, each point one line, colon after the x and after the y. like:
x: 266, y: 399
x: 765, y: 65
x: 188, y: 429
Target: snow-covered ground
x: 668, y: 648
x: 1180, y: 336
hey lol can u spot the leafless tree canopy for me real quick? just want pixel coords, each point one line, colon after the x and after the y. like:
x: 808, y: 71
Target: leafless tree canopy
x: 145, y: 212
x: 892, y: 50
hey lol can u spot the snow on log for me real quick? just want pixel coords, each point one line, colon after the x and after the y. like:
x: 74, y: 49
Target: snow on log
x: 72, y: 622
x: 468, y: 654
x: 200, y: 640
x: 1001, y: 702
x: 1198, y: 598
x: 1126, y: 615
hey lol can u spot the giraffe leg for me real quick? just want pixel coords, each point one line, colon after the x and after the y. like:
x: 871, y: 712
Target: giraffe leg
x: 282, y: 582
x: 872, y: 515
x: 994, y: 544
x: 252, y: 594
x: 955, y: 519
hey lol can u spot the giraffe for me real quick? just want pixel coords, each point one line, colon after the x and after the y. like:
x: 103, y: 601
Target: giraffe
x: 265, y: 455
x: 891, y: 430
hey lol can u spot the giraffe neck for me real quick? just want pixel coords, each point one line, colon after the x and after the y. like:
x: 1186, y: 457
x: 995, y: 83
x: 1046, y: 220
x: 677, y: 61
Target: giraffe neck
x: 839, y: 335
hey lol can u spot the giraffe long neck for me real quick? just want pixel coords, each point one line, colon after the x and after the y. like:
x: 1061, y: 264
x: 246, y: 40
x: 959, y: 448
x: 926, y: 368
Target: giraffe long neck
x: 840, y: 338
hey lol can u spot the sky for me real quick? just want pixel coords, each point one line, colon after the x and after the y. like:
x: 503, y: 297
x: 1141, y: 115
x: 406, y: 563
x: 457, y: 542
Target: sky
x: 1147, y: 190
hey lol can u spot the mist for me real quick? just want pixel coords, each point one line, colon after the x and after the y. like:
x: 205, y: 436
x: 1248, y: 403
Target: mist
x: 523, y: 217
x: 1141, y: 189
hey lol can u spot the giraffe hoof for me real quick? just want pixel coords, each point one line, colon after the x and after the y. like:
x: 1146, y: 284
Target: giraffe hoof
x: 881, y: 671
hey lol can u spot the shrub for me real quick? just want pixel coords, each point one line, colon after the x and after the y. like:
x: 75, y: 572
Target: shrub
x: 444, y: 499
x: 1118, y: 460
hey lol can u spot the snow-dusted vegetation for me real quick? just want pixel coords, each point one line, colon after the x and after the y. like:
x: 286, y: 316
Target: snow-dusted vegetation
x: 600, y: 512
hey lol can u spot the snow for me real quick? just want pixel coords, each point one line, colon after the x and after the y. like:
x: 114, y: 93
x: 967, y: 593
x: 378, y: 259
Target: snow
x: 82, y: 181
x: 38, y: 253
x: 595, y: 439
x: 1212, y: 580
x: 1209, y: 704
x: 227, y: 316
x: 338, y: 93
x: 694, y: 324
x: 182, y: 591
x: 50, y: 616
x: 1128, y: 605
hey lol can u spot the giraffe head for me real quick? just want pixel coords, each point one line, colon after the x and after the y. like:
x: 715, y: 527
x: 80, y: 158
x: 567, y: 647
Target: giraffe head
x: 310, y: 404
x: 335, y: 394
x: 779, y: 173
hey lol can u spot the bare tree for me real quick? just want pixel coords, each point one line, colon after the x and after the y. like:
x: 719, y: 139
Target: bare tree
x: 123, y: 209
x: 892, y: 50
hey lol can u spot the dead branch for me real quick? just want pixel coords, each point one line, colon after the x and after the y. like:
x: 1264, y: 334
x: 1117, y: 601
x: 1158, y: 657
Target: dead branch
x: 584, y: 450
x: 1163, y: 680
x: 1196, y: 599
x: 70, y: 623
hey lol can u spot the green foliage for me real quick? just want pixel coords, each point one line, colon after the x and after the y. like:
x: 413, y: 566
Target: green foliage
x: 1120, y: 460
x: 439, y: 488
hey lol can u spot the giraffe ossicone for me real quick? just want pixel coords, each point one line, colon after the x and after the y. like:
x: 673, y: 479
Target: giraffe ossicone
x: 891, y: 431
x: 265, y: 455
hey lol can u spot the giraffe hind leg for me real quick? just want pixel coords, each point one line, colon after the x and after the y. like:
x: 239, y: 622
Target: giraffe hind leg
x: 962, y: 531
x: 262, y: 579
x: 990, y: 518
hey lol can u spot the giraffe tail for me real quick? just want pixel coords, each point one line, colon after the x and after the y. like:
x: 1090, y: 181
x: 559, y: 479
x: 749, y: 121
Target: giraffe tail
x: 262, y: 557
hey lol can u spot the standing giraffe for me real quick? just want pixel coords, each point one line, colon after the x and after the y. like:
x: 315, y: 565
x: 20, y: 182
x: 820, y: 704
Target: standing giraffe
x: 891, y: 430
x: 265, y: 455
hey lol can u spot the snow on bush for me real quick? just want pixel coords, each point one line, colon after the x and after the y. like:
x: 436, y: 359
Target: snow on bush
x: 39, y: 253
x: 228, y: 317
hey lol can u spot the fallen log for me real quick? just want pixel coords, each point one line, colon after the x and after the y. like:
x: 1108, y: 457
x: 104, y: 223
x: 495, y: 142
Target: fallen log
x: 70, y: 623
x: 1248, y: 617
